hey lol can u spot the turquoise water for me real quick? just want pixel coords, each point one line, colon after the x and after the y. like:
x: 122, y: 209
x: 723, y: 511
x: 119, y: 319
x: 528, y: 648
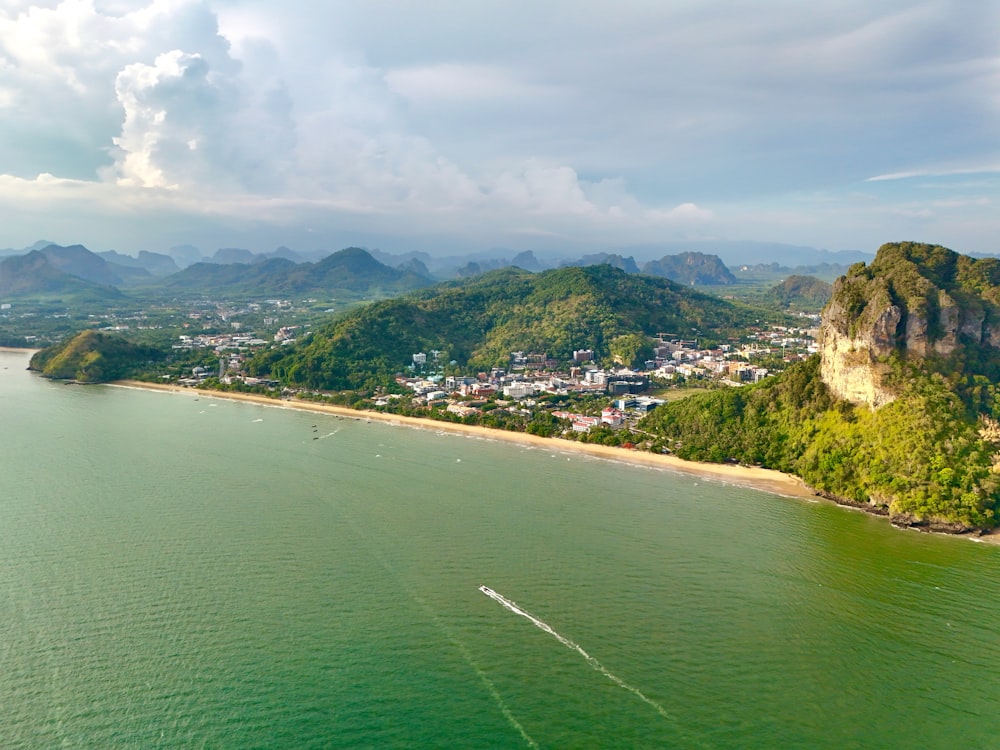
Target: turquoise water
x: 191, y: 572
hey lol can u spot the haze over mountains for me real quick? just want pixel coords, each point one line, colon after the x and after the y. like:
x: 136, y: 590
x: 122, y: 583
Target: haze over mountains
x: 45, y: 267
x: 732, y: 253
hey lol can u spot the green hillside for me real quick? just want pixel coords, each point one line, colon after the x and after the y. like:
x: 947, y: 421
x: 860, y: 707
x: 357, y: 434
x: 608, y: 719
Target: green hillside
x: 92, y: 357
x: 898, y: 414
x: 800, y: 293
x: 480, y: 321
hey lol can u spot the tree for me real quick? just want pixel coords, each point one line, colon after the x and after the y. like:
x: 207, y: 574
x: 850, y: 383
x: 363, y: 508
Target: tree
x: 631, y: 348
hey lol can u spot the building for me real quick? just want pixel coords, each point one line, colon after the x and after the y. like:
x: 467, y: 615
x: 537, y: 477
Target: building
x: 519, y: 390
x: 612, y: 416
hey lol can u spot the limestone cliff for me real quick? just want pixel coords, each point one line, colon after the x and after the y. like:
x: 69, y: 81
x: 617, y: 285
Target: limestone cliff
x: 914, y: 301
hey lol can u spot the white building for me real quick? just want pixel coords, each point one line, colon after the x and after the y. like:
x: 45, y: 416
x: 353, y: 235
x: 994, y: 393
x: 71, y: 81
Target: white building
x: 519, y: 390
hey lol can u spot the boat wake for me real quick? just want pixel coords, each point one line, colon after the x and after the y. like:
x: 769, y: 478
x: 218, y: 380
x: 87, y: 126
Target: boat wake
x: 596, y: 665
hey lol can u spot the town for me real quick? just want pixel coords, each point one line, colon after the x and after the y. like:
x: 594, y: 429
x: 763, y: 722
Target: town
x: 583, y: 392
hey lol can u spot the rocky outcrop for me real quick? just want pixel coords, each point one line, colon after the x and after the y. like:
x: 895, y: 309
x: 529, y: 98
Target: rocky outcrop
x: 913, y: 301
x: 691, y: 268
x: 850, y: 365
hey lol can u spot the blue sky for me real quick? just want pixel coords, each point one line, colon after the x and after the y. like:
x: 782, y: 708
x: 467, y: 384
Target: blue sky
x: 461, y: 126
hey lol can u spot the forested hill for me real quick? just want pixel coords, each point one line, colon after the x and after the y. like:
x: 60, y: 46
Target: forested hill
x: 92, y: 357
x: 478, y: 322
x: 896, y: 414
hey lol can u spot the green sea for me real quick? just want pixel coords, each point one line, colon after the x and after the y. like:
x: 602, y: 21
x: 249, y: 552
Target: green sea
x: 189, y: 572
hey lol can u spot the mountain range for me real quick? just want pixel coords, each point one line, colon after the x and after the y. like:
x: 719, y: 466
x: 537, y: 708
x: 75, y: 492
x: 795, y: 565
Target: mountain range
x: 284, y: 272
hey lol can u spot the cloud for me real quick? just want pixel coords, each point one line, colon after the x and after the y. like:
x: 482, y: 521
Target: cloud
x: 188, y: 125
x: 579, y: 120
x: 464, y: 84
x: 986, y: 169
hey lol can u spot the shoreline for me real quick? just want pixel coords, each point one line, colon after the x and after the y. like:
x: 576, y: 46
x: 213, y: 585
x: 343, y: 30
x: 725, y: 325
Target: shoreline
x: 767, y: 480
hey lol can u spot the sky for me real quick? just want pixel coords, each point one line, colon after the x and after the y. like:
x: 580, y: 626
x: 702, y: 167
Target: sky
x: 461, y: 126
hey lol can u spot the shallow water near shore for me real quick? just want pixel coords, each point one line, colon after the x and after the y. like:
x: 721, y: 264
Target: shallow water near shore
x: 179, y: 571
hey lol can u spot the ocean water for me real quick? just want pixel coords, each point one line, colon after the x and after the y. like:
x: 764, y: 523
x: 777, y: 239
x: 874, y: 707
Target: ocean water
x: 193, y: 572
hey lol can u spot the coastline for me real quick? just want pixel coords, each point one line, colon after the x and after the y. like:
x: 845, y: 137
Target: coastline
x: 767, y: 480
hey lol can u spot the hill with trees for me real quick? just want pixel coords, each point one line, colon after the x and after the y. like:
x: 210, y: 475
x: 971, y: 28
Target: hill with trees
x: 800, y: 293
x: 93, y: 357
x: 478, y: 322
x: 899, y: 413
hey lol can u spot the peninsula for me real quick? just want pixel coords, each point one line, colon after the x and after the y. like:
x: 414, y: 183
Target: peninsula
x: 897, y: 414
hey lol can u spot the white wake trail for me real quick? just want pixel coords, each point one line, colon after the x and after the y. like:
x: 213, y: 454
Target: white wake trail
x: 541, y: 625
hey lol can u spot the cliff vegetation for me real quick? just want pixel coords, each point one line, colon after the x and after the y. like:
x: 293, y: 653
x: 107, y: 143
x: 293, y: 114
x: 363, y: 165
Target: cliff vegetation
x: 899, y: 412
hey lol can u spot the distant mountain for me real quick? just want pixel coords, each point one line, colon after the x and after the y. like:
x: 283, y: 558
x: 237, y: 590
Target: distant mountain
x: 628, y: 265
x: 185, y: 255
x: 242, y: 278
x: 825, y: 271
x: 527, y: 261
x: 78, y: 261
x: 479, y: 321
x: 398, y: 261
x: 803, y: 292
x: 228, y: 255
x: 351, y: 269
x: 478, y: 267
x: 155, y: 264
x: 735, y: 253
x: 414, y: 265
x: 35, y: 274
x: 287, y: 253
x: 225, y: 255
x: 691, y: 268
x: 25, y: 250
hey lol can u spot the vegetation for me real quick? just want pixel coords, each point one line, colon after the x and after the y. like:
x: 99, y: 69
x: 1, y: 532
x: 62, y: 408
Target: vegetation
x: 928, y: 457
x: 478, y: 322
x: 93, y: 357
x: 921, y: 458
x: 800, y: 292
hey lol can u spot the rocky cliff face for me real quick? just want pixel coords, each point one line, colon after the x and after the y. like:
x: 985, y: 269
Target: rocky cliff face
x: 914, y: 300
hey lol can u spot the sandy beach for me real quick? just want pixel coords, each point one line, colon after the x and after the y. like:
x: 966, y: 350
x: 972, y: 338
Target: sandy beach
x: 767, y: 480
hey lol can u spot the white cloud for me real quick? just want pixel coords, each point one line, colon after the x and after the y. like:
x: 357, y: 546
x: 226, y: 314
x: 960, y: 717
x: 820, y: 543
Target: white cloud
x: 686, y: 213
x: 578, y: 120
x: 985, y: 169
x: 465, y: 84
